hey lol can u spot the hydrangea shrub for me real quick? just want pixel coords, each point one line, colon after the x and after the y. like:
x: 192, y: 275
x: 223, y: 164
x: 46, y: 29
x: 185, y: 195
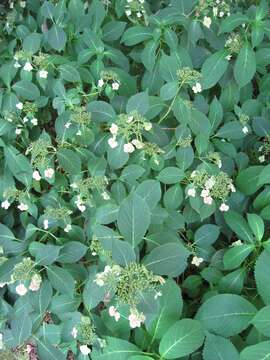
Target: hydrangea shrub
x: 135, y: 180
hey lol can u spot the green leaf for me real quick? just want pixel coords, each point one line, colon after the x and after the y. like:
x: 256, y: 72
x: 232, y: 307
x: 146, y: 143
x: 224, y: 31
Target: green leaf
x: 26, y: 90
x: 31, y: 43
x: 168, y: 259
x: 92, y: 294
x: 72, y: 252
x: 150, y: 191
x: 213, y: 69
x: 218, y: 346
x: 133, y: 219
x: 61, y: 280
x: 69, y: 161
x: 107, y: 214
x: 233, y: 21
x: 69, y: 73
x: 234, y: 256
x: 226, y: 314
x: 18, y: 164
x: 264, y: 176
x: 101, y: 111
x: 57, y: 38
x: 170, y: 175
x: 45, y: 254
x: 259, y: 351
x: 182, y: 339
x: 21, y: 328
x: 262, y: 273
x: 139, y: 103
x: 239, y: 225
x: 262, y: 321
x: 116, y: 349
x: 206, y: 235
x: 232, y: 130
x: 135, y: 35
x: 245, y: 66
x: 170, y: 308
x: 46, y: 351
x: 247, y: 180
x: 257, y: 225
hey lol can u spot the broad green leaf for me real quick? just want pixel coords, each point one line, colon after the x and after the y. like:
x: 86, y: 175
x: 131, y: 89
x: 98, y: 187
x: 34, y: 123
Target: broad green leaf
x: 213, y: 69
x: 260, y: 351
x: 235, y: 256
x: 257, y: 225
x: 57, y: 37
x: 133, y: 219
x: 245, y: 66
x: 69, y: 73
x: 218, y: 346
x: 138, y: 103
x: 168, y: 259
x: 21, y: 328
x: 101, y: 111
x: 233, y: 21
x: 206, y: 235
x: 45, y: 254
x: 182, y: 339
x: 26, y: 89
x: 61, y: 280
x: 239, y: 225
x: 135, y: 35
x: 262, y: 273
x: 116, y: 349
x: 247, y: 180
x: 46, y: 351
x: 69, y: 160
x: 226, y: 314
x: 150, y: 191
x: 170, y: 175
x: 262, y: 321
x: 72, y: 252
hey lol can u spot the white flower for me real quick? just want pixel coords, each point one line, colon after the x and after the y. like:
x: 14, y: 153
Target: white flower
x: 114, y: 129
x: 197, y: 88
x: 205, y: 193
x: 5, y: 204
x: 35, y: 282
x: 196, y: 261
x: 228, y: 57
x: 193, y: 174
x: 139, y: 14
x: 48, y: 173
x: 18, y: 131
x: 260, y: 148
x: 1, y: 341
x: 46, y: 224
x: 148, y: 126
x: 207, y: 21
x: 210, y: 183
x: 21, y: 289
x: 129, y: 1
x: 74, y: 186
x: 67, y: 125
x: 141, y: 1
x: 67, y: 228
x: 11, y: 5
x: 23, y: 4
x: 245, y: 129
x: 237, y: 243
x: 232, y: 188
x: 25, y: 120
x: 219, y: 164
x: 128, y: 148
x: 128, y: 12
x: 81, y: 206
x: 29, y: 348
x: 17, y: 65
x: 36, y: 175
x: 34, y: 121
x: 137, y: 143
x: 208, y: 200
x: 99, y: 281
x: 215, y: 11
x: 191, y: 192
x: 105, y: 195
x: 9, y: 120
x: 43, y: 74
x: 261, y: 158
x: 135, y: 319
x: 115, y: 85
x: 74, y: 332
x: 28, y: 66
x: 130, y: 119
x: 112, y: 142
x: 221, y: 14
x: 100, y: 82
x: 19, y: 105
x: 79, y: 133
x: 85, y: 350
x: 22, y: 207
x: 114, y: 313
x: 224, y: 207
x: 157, y: 295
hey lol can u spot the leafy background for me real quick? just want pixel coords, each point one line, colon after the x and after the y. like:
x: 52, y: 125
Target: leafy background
x: 136, y: 207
